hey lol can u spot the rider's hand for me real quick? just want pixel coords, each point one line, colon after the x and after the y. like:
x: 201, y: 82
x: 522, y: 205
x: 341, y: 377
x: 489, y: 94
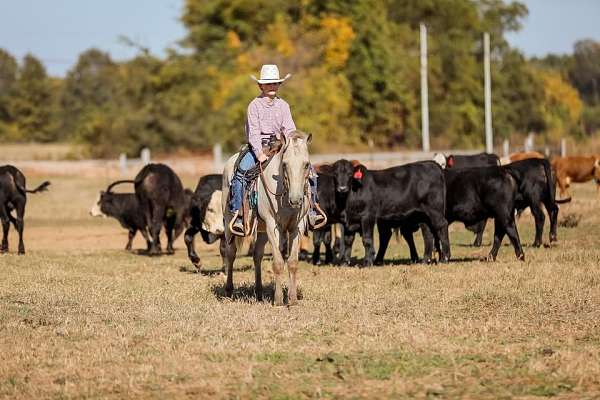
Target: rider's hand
x: 262, y: 157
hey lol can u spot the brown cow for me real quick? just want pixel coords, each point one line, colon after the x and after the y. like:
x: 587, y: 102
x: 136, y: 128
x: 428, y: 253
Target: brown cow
x: 524, y: 155
x: 575, y: 169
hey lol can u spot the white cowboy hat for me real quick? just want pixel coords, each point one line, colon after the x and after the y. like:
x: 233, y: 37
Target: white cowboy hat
x: 269, y: 73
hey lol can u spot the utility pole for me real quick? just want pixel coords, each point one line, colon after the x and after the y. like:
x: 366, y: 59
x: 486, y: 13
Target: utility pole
x: 489, y: 138
x: 424, y: 94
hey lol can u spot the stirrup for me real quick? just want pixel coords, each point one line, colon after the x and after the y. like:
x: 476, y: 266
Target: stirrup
x: 234, y: 229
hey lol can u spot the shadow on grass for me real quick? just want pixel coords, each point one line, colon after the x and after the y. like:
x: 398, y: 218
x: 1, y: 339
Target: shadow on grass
x: 471, y: 245
x: 245, y: 293
x: 191, y: 269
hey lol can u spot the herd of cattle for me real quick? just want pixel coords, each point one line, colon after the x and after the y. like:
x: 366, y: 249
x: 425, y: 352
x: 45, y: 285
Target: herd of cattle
x: 425, y: 196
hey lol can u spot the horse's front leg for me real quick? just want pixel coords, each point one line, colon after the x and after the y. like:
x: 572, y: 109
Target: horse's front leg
x: 292, y: 264
x: 228, y: 251
x: 275, y: 239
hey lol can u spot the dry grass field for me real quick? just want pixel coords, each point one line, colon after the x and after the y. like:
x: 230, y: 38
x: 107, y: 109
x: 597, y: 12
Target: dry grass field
x: 81, y: 318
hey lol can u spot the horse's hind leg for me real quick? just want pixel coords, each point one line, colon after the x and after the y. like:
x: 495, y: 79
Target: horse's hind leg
x: 230, y: 250
x: 259, y: 251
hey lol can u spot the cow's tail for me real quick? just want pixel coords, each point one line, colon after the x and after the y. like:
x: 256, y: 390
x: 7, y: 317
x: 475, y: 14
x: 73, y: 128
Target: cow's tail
x: 112, y: 185
x: 41, y: 188
x: 551, y: 185
x: 562, y: 201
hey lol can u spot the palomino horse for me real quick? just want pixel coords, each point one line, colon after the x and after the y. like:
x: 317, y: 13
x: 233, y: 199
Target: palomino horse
x: 282, y: 204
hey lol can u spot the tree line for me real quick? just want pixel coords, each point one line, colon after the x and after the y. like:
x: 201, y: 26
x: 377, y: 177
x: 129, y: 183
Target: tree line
x: 355, y: 67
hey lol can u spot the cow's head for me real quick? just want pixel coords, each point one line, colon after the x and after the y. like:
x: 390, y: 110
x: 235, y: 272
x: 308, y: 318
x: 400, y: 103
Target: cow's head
x: 346, y: 174
x: 104, y: 205
x: 440, y: 158
x: 213, y: 218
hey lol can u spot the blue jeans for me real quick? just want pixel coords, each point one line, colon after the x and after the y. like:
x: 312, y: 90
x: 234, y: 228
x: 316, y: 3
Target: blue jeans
x: 238, y: 183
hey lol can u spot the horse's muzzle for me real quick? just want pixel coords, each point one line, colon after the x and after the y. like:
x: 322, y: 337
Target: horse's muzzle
x: 295, y: 202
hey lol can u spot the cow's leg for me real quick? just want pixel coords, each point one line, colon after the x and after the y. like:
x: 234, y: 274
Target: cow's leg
x: 339, y: 247
x: 5, y: 226
x: 188, y: 237
x: 539, y: 218
x: 257, y: 256
x: 439, y: 228
x: 498, y: 236
x: 317, y: 240
x: 20, y: 208
x: 130, y: 236
x: 428, y: 244
x: 169, y: 229
x: 348, y: 238
x: 513, y: 235
x: 292, y: 264
x: 407, y: 234
x: 552, y: 210
x: 385, y: 234
x: 367, y: 225
x: 146, y: 235
x: 277, y: 241
x: 563, y: 185
x: 480, y: 228
x: 327, y: 239
x: 155, y: 226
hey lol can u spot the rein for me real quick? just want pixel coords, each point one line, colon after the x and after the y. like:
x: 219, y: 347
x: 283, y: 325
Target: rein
x: 265, y: 183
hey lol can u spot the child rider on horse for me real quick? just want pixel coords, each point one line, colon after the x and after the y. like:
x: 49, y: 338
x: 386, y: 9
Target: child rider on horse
x: 268, y: 116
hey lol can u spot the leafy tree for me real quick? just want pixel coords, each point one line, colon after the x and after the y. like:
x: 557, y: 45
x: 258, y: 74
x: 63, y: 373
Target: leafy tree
x: 585, y: 72
x: 31, y: 104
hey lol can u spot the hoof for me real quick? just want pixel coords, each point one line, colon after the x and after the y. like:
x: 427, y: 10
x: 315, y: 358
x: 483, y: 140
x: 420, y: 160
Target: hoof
x: 521, y: 257
x: 196, y: 261
x: 536, y: 244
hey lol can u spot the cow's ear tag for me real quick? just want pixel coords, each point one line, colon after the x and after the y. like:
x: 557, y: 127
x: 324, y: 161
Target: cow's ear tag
x: 358, y: 174
x: 450, y: 161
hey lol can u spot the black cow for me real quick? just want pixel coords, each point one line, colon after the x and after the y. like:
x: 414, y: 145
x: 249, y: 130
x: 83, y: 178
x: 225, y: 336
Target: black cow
x: 162, y: 199
x: 125, y: 208
x: 13, y: 196
x: 535, y: 187
x: 466, y: 161
x: 206, y: 188
x: 402, y: 196
x: 475, y: 194
x: 329, y: 201
x: 469, y: 161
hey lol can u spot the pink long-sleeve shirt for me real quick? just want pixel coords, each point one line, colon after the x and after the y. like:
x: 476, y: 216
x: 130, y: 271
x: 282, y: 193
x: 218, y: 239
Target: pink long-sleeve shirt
x: 266, y: 119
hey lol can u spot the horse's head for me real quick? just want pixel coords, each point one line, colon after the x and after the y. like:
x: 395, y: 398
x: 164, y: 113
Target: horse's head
x: 295, y: 165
